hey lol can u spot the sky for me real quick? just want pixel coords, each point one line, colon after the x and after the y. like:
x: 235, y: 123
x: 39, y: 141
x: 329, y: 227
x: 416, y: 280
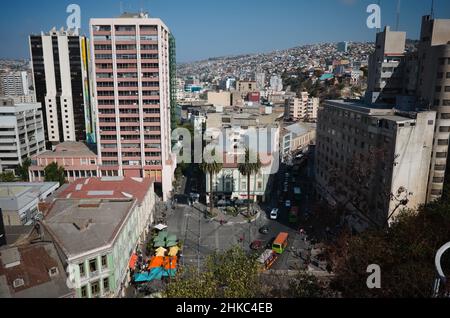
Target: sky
x: 212, y: 28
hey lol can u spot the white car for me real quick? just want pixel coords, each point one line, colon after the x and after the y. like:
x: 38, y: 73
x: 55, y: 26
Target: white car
x: 288, y: 203
x: 274, y: 214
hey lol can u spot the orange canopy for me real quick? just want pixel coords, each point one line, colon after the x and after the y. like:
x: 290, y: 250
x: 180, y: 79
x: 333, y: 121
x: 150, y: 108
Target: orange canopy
x: 166, y: 262
x: 170, y: 263
x: 133, y: 261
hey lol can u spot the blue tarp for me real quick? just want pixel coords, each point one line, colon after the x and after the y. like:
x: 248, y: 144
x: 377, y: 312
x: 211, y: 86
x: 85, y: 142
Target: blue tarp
x: 156, y: 273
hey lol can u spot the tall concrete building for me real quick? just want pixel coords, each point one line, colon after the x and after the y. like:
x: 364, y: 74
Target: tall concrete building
x: 132, y: 97
x: 21, y: 133
x: 260, y: 81
x: 14, y: 84
x: 373, y: 158
x: 342, y: 47
x: 433, y: 91
x: 61, y: 81
x: 276, y: 83
x: 303, y: 107
x: 386, y: 68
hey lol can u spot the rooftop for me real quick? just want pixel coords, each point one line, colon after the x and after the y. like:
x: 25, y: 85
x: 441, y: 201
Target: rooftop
x: 107, y: 188
x: 68, y: 150
x: 300, y: 128
x: 32, y: 265
x: 16, y: 195
x: 80, y: 226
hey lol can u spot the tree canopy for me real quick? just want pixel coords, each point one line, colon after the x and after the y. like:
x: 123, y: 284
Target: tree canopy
x: 55, y: 173
x: 405, y: 253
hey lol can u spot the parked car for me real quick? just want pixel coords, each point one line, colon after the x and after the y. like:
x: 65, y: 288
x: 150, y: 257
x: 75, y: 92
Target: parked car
x: 264, y: 230
x: 256, y: 245
x: 274, y: 214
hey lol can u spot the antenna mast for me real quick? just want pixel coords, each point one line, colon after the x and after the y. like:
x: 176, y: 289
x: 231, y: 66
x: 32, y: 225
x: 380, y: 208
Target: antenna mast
x: 379, y: 4
x: 398, y: 15
x: 432, y: 9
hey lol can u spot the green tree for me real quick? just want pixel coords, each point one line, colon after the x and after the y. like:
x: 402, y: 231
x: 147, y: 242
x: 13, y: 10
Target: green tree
x: 305, y: 285
x: 231, y: 274
x: 22, y: 170
x: 54, y: 173
x: 405, y: 253
x: 7, y: 177
x: 247, y: 169
x: 211, y: 169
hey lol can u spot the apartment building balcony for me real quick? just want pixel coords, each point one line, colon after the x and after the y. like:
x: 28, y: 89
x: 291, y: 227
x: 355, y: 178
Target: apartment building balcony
x: 108, y: 133
x: 150, y: 69
x: 127, y: 61
x: 102, y: 33
x: 148, y: 32
x: 126, y: 32
x: 12, y: 155
x: 7, y: 148
x: 102, y: 42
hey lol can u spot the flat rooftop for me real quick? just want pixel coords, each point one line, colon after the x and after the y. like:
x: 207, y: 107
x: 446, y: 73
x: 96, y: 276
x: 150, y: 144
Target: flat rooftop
x: 380, y: 111
x: 80, y: 226
x: 107, y: 188
x: 16, y: 195
x: 68, y: 150
x: 301, y: 128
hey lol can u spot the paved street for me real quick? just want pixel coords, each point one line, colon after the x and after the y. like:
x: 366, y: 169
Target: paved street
x: 201, y: 236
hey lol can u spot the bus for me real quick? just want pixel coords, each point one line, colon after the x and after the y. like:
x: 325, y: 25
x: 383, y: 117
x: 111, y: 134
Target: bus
x: 280, y: 243
x: 293, y: 214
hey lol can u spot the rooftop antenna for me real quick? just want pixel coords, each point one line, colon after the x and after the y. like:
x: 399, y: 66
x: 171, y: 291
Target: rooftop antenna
x: 398, y: 15
x: 432, y: 9
x: 379, y: 4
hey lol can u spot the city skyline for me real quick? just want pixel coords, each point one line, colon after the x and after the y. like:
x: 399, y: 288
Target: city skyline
x: 207, y: 37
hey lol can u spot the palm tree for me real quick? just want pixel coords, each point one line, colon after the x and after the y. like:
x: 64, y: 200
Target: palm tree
x: 211, y: 169
x: 247, y: 169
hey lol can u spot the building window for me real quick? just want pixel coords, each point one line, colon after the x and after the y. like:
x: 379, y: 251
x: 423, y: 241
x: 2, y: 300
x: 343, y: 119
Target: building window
x: 106, y: 285
x: 446, y: 102
x: 82, y: 270
x: 53, y: 272
x: 447, y: 89
x: 95, y: 289
x: 104, y: 262
x: 438, y: 89
x: 93, y: 265
x: 436, y: 192
x: 84, y: 293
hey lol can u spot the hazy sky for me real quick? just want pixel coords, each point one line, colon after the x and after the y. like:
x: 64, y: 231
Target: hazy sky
x: 209, y: 28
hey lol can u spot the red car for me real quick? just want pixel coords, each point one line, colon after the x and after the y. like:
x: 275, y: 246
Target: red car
x: 256, y: 245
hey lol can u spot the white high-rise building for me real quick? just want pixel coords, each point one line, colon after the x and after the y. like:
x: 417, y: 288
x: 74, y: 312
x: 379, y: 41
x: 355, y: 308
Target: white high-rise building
x: 260, y: 81
x: 276, y: 83
x: 21, y: 133
x: 61, y: 82
x: 132, y: 59
x: 14, y: 84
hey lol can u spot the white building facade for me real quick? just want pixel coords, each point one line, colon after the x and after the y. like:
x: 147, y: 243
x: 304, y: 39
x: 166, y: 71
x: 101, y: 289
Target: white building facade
x: 21, y: 133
